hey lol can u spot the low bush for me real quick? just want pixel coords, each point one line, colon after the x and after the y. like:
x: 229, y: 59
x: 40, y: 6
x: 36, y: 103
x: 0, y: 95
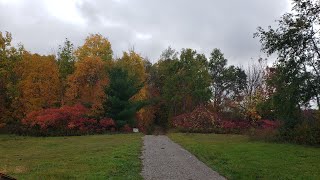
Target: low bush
x: 306, y: 133
x: 199, y: 120
x: 67, y: 120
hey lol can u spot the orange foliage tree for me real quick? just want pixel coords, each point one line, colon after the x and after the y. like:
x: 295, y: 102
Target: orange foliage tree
x: 86, y: 84
x: 39, y: 82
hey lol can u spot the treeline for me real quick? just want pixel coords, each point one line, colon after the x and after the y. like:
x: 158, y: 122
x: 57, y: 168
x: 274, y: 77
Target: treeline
x: 86, y: 90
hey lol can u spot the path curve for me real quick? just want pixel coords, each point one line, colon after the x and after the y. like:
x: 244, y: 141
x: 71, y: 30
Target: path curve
x: 164, y: 159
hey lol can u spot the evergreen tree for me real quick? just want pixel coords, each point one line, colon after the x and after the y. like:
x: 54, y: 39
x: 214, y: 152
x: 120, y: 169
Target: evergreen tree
x: 118, y: 104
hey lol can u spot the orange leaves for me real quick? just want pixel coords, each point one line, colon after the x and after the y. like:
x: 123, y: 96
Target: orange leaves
x: 39, y: 84
x: 87, y: 82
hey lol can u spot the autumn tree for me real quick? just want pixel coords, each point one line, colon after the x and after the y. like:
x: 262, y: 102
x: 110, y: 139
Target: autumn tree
x: 255, y: 91
x: 95, y: 46
x: 39, y: 82
x: 86, y: 84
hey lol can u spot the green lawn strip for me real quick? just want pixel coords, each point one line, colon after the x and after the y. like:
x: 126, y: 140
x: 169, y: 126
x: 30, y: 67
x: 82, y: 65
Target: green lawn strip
x: 78, y: 157
x: 236, y: 157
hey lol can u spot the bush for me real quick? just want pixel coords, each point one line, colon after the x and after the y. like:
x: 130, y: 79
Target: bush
x: 199, y: 120
x: 234, y: 127
x: 67, y: 120
x: 306, y: 133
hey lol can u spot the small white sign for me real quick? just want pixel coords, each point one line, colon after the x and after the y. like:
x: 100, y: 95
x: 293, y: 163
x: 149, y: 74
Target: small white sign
x: 135, y: 130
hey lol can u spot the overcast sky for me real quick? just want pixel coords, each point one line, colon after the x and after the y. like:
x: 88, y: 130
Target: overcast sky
x: 147, y: 25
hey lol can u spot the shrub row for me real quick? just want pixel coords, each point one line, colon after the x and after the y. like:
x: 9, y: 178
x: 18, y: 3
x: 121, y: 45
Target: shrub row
x: 67, y: 120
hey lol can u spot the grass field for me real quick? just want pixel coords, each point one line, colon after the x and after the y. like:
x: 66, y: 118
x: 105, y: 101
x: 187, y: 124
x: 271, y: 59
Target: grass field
x: 82, y: 157
x: 236, y: 157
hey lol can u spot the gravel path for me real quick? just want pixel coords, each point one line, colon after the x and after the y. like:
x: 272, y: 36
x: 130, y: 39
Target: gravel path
x: 164, y: 159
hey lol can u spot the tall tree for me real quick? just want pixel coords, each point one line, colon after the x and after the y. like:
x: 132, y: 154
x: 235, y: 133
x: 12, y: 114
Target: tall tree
x: 9, y: 58
x: 227, y: 82
x: 118, y: 104
x: 39, y: 82
x: 296, y: 42
x: 95, y: 46
x: 66, y: 61
x: 188, y: 82
x: 86, y: 84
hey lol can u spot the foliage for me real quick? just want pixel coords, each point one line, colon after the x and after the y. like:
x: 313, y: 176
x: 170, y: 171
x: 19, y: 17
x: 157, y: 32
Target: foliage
x: 296, y: 42
x: 87, y: 82
x: 39, y: 83
x: 67, y: 120
x: 66, y: 59
x: 227, y: 82
x: 187, y: 81
x: 255, y: 92
x: 9, y: 58
x: 95, y: 46
x: 199, y: 120
x: 118, y: 104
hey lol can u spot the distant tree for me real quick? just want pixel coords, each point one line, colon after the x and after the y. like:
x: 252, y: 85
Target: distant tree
x: 119, y: 104
x: 95, y: 46
x: 227, y: 82
x: 66, y: 61
x: 255, y: 91
x: 186, y: 82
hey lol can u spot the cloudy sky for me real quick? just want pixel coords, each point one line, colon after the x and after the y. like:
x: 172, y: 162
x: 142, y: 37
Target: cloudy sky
x: 147, y: 25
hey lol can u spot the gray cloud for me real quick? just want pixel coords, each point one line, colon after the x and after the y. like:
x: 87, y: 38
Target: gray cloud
x: 149, y: 26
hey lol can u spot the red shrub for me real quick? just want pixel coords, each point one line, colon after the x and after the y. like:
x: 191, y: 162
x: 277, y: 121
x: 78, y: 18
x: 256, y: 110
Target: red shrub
x: 54, y: 118
x: 234, y: 126
x: 126, y: 128
x: 268, y: 124
x: 66, y: 120
x: 107, y: 123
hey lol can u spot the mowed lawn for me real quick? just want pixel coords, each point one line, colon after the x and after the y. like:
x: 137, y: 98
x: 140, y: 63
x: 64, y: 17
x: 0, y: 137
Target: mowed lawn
x: 79, y: 157
x: 236, y: 157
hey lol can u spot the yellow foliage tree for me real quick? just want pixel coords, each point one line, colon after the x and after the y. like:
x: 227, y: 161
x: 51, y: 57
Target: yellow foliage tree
x: 95, y: 46
x: 86, y: 84
x: 39, y: 82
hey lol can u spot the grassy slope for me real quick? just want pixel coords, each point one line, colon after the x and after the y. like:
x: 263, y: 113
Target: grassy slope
x: 236, y: 157
x: 82, y: 157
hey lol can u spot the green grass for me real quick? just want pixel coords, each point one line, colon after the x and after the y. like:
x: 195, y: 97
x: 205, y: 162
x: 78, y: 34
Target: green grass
x: 79, y: 157
x: 236, y: 157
